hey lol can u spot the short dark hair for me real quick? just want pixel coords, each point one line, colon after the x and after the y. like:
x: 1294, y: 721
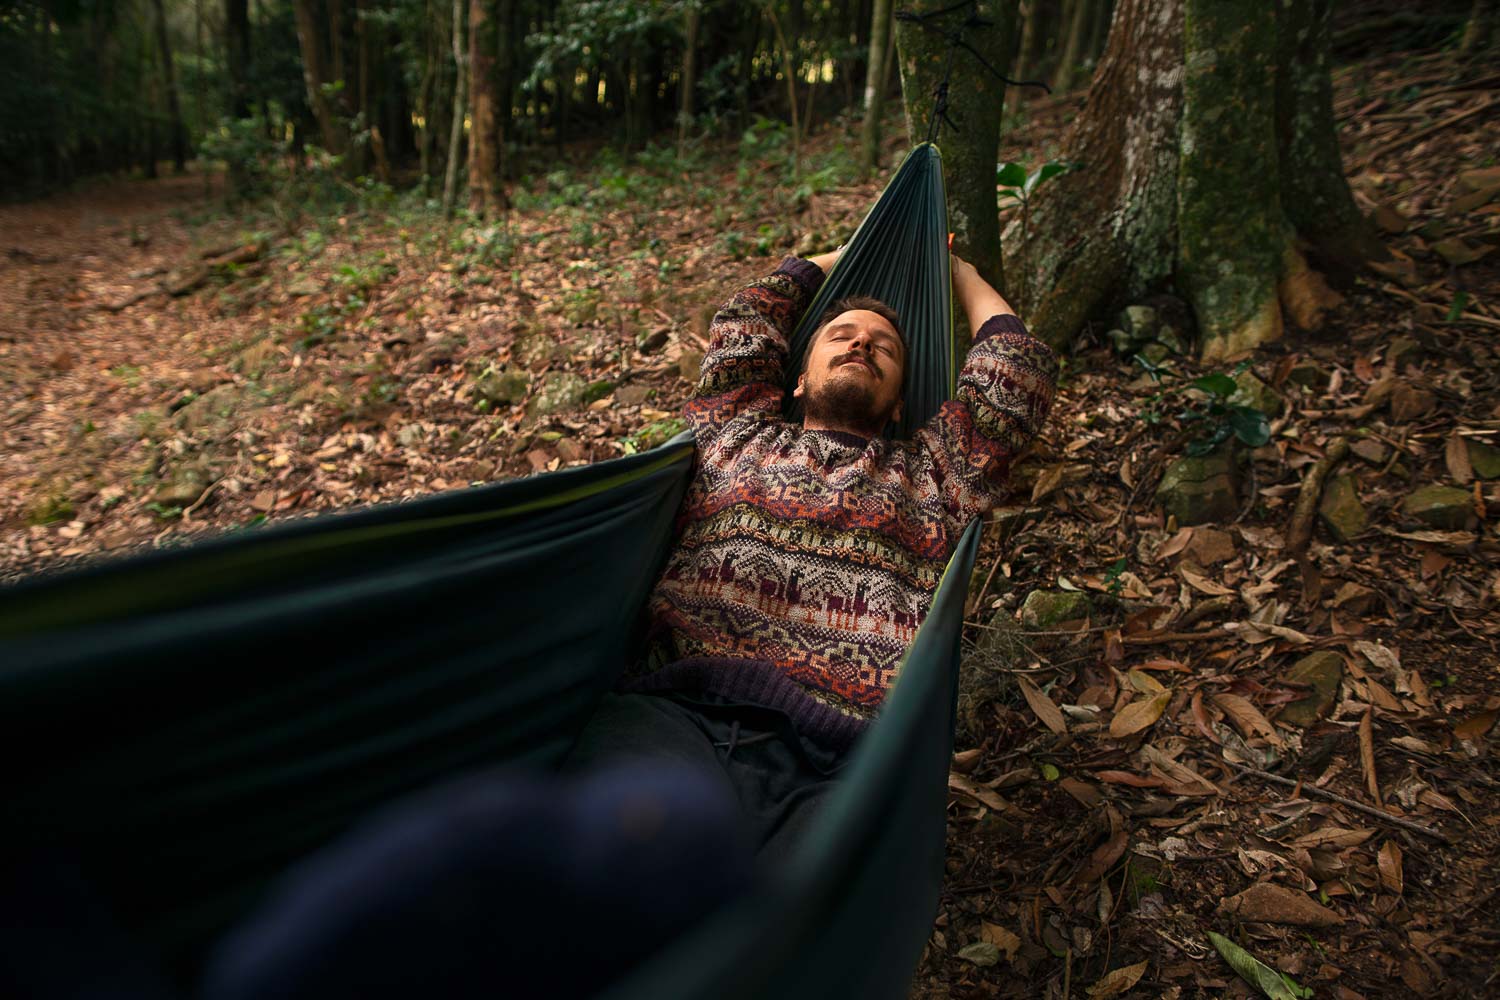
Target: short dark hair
x: 868, y: 304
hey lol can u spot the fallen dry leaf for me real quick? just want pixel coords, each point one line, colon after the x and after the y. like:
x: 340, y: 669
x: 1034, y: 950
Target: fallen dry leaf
x: 1139, y: 714
x: 979, y: 793
x: 1274, y: 904
x: 1247, y: 718
x: 1204, y: 585
x: 1389, y: 862
x: 1007, y: 942
x: 1334, y: 836
x: 1117, y: 981
x: 1476, y: 726
x: 1045, y: 708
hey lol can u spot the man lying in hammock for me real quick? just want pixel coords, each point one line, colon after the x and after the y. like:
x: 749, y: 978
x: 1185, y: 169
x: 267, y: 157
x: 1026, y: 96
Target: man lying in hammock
x: 808, y: 555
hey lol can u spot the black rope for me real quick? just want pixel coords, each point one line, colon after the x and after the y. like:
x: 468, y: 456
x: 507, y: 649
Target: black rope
x: 956, y: 41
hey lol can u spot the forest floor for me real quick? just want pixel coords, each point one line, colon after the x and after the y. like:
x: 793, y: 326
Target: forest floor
x: 1103, y: 819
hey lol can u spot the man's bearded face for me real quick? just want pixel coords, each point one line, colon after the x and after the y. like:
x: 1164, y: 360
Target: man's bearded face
x: 853, y: 376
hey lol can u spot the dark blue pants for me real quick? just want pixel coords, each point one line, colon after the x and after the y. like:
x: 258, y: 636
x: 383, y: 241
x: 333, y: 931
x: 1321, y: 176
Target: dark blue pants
x: 501, y: 883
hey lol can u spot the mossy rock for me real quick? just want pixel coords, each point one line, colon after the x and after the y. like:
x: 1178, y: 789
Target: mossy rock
x: 1444, y: 507
x: 1485, y: 459
x: 1341, y: 510
x: 211, y: 414
x: 1044, y: 609
x: 557, y: 392
x: 1200, y: 490
x: 255, y: 359
x: 182, y: 485
x: 1308, y: 374
x: 1322, y: 671
x: 503, y: 388
x: 1252, y: 392
x: 534, y: 348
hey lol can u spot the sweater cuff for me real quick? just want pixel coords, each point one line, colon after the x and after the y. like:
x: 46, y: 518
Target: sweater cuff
x: 1001, y: 323
x: 805, y: 273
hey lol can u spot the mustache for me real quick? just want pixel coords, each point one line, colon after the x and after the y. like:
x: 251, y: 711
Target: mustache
x: 858, y: 356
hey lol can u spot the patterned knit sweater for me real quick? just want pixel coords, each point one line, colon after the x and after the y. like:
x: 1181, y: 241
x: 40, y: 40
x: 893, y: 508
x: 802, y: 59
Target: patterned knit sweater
x: 807, y: 560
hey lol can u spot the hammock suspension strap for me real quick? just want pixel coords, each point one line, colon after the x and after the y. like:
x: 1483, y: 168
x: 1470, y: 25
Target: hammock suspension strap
x: 955, y: 36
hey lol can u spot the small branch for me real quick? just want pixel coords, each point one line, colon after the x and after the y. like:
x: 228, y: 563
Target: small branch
x: 1415, y: 137
x: 1307, y: 789
x: 1299, y: 531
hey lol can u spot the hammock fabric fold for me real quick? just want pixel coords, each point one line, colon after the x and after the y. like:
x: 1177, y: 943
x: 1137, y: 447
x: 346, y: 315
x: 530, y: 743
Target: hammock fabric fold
x: 184, y: 725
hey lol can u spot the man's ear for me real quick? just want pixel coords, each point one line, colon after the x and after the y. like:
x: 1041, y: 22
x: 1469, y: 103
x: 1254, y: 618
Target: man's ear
x: 801, y: 387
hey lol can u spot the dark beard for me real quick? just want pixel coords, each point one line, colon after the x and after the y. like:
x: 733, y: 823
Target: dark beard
x: 848, y: 404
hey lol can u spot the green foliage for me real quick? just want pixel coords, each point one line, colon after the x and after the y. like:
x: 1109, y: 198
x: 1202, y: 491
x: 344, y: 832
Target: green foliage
x: 1275, y: 985
x: 1220, y: 419
x: 50, y: 510
x: 652, y: 435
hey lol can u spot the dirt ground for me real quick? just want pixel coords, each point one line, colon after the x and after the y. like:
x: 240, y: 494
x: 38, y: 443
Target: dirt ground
x: 1115, y: 797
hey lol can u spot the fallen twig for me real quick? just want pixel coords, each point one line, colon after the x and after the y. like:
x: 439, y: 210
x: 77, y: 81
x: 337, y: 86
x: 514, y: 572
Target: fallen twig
x: 1308, y: 789
x: 1299, y: 531
x: 1420, y: 134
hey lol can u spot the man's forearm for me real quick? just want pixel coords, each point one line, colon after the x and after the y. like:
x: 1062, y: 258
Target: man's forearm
x: 980, y: 302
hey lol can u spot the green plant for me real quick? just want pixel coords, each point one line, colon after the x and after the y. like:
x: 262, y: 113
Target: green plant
x: 652, y: 435
x: 1014, y: 183
x: 1218, y: 419
x: 50, y: 510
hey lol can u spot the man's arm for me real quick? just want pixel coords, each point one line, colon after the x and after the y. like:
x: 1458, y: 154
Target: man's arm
x: 1004, y: 392
x: 746, y: 361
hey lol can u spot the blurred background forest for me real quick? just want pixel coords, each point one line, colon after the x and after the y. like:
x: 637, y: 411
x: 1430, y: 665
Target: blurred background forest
x: 266, y: 258
x: 96, y: 87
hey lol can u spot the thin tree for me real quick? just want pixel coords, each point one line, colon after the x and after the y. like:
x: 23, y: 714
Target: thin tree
x: 974, y: 100
x: 1067, y: 63
x: 486, y: 143
x: 456, y: 130
x: 169, y: 86
x: 875, y: 77
x: 316, y: 79
x: 689, y: 79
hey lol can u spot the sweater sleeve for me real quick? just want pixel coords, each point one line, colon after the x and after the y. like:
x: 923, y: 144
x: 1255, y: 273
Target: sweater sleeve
x: 744, y: 368
x: 1004, y: 392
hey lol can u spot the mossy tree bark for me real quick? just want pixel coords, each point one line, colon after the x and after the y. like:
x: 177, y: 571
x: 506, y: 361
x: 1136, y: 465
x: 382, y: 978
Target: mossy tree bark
x: 975, y: 102
x: 1316, y: 198
x: 1231, y: 233
x: 1185, y: 159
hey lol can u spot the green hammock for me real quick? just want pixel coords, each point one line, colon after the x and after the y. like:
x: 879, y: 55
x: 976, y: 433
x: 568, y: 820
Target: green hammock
x: 188, y: 723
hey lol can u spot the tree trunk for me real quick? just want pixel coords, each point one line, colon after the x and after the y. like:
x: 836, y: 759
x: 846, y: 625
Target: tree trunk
x: 237, y: 46
x: 1180, y: 182
x: 689, y: 78
x: 1098, y: 29
x: 1231, y: 230
x: 1317, y: 199
x: 169, y: 85
x: 975, y: 102
x: 880, y: 28
x: 456, y: 130
x: 315, y: 77
x: 486, y: 196
x: 1479, y: 28
x: 1067, y: 62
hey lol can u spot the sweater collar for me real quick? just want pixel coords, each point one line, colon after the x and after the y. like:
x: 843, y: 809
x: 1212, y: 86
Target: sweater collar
x: 846, y: 438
